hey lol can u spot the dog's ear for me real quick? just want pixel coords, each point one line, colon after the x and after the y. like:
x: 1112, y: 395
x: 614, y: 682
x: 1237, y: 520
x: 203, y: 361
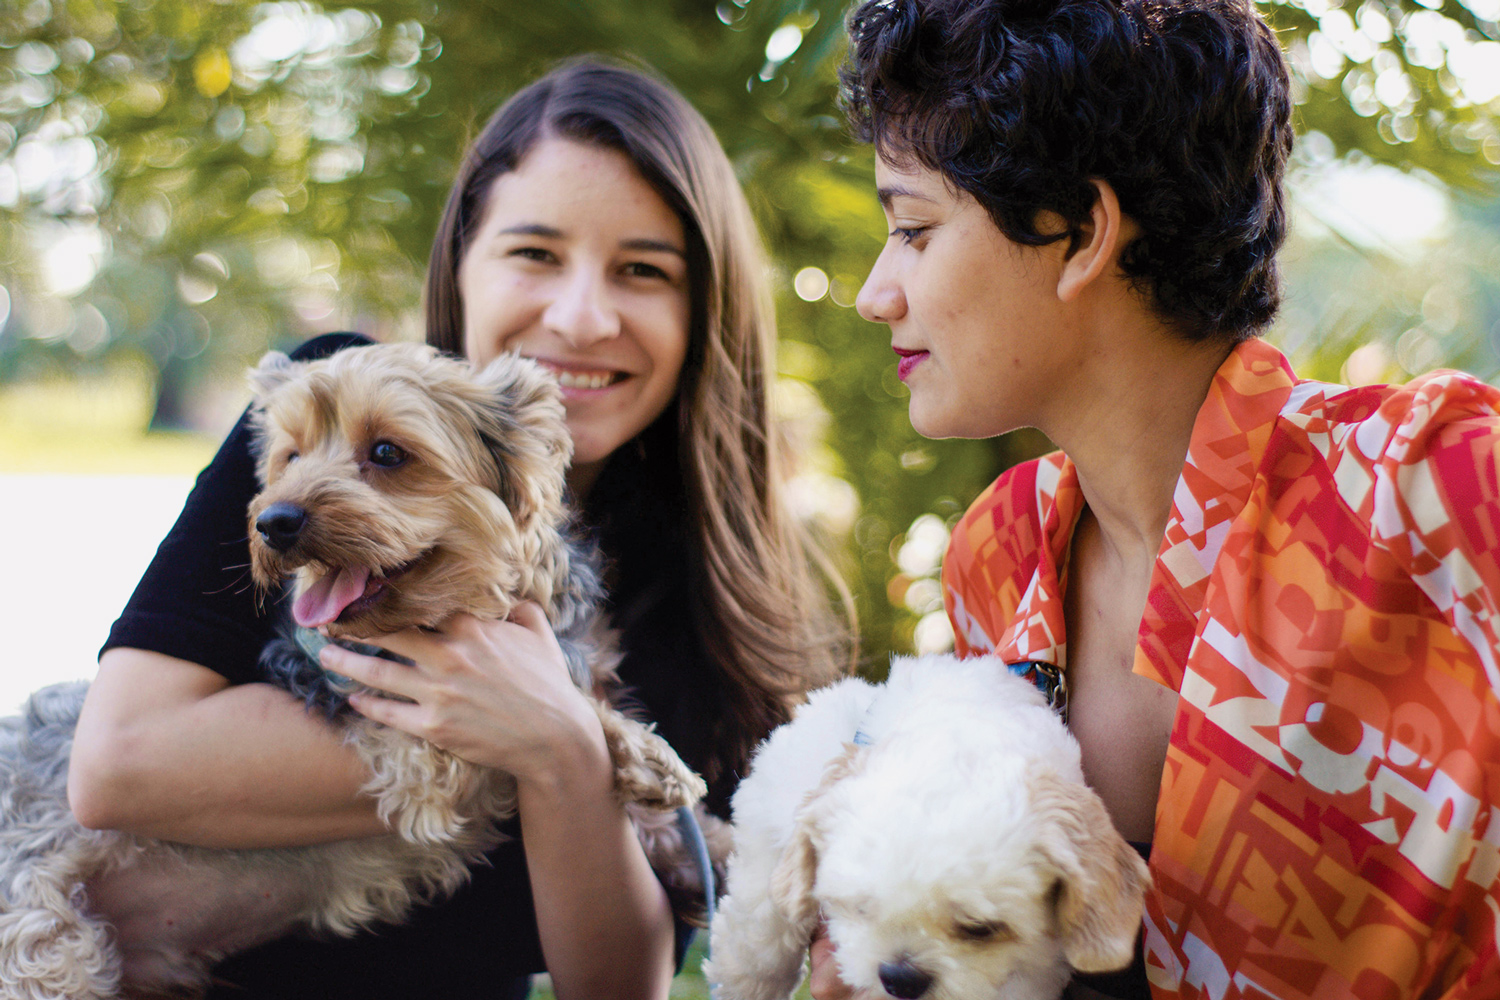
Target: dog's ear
x: 274, y: 369
x: 796, y: 874
x: 1101, y: 880
x: 520, y: 416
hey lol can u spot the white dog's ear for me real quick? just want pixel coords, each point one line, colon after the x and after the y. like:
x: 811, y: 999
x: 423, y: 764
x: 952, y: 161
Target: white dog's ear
x: 274, y: 369
x: 1102, y: 881
x: 796, y: 874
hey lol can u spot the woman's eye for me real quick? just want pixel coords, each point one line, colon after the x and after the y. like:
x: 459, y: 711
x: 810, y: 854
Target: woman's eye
x: 386, y: 455
x: 640, y: 269
x: 909, y: 235
x: 533, y: 253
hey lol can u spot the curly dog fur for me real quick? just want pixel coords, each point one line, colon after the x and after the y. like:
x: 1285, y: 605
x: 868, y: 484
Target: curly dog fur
x: 951, y: 846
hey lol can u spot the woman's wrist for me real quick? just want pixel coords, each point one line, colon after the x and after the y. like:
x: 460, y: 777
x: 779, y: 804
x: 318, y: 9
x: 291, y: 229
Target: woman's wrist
x: 576, y: 762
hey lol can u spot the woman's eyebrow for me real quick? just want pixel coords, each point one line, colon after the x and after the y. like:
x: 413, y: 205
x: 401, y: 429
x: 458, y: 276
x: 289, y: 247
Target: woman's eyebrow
x: 651, y: 245
x: 532, y: 229
x: 894, y: 191
x: 639, y: 243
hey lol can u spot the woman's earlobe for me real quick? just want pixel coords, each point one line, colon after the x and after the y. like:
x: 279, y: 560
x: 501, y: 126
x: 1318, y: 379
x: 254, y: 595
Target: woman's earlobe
x: 1098, y: 245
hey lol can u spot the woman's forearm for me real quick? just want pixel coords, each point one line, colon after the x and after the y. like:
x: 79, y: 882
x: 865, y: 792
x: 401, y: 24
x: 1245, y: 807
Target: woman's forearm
x: 168, y: 749
x: 606, y: 928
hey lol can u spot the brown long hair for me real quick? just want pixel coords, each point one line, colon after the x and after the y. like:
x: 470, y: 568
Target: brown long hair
x: 761, y: 613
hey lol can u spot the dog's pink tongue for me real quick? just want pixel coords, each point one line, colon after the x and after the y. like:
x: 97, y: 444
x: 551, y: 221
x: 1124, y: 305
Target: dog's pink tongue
x: 326, y: 599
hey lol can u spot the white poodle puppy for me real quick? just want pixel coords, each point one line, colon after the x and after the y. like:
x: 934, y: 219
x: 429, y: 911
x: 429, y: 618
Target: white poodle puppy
x: 941, y: 826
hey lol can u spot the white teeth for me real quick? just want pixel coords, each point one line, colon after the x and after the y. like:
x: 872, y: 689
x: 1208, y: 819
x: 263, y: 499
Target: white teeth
x: 585, y: 380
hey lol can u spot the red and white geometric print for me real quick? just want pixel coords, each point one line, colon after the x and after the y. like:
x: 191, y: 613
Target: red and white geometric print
x: 1324, y: 603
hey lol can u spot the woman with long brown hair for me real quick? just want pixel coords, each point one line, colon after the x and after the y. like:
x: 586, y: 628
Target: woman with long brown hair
x: 596, y: 226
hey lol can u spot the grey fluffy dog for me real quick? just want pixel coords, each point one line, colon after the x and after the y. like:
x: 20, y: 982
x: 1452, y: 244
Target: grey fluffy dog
x: 463, y: 510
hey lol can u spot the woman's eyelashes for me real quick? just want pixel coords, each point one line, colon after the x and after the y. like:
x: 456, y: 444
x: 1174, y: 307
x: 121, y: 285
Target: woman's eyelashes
x: 910, y: 234
x: 641, y: 269
x: 540, y: 255
x: 630, y: 269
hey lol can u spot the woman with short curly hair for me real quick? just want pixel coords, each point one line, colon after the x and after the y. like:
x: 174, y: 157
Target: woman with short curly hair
x: 1271, y: 602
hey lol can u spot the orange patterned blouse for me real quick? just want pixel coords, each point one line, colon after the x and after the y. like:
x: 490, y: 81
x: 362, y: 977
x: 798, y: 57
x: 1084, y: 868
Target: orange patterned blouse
x: 1325, y: 604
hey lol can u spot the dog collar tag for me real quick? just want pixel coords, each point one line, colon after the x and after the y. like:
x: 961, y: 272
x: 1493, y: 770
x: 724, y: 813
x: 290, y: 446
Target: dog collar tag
x: 1048, y: 679
x: 311, y: 642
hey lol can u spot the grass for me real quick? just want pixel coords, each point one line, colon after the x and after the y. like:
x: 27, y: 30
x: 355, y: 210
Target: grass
x: 94, y: 426
x: 689, y: 984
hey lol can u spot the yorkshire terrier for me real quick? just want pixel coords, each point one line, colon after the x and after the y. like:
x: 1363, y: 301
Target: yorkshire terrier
x: 400, y: 486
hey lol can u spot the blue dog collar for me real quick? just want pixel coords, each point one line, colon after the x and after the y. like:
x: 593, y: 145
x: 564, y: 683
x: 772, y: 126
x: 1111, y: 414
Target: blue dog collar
x: 1048, y: 678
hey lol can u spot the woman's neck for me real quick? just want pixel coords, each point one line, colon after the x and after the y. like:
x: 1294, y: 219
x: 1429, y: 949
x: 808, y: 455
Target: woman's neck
x: 581, y: 479
x: 1129, y: 435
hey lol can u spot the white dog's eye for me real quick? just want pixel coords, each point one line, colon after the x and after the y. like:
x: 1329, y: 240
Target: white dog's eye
x: 983, y: 930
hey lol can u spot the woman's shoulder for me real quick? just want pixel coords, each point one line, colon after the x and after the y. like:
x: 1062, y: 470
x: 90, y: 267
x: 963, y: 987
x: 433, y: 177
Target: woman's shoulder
x: 325, y: 344
x: 1387, y: 421
x: 1018, y: 499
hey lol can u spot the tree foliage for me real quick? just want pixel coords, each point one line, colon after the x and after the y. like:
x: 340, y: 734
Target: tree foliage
x: 186, y: 183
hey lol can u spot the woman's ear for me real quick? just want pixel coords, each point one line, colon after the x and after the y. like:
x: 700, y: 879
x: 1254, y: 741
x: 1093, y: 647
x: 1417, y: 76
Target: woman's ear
x: 1101, y: 240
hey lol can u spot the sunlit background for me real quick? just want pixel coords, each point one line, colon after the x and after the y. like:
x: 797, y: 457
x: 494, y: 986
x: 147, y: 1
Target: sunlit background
x: 184, y: 185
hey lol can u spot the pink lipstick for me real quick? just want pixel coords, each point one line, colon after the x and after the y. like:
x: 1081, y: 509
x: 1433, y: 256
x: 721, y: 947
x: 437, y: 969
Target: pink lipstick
x: 909, y: 360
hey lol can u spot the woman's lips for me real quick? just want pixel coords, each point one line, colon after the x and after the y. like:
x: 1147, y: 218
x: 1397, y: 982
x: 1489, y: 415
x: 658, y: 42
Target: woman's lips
x: 909, y: 360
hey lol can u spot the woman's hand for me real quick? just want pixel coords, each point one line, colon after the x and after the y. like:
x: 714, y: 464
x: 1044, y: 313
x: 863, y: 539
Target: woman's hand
x: 823, y: 980
x: 496, y: 693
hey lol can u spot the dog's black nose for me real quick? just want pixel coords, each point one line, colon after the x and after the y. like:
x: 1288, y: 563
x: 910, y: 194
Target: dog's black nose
x: 904, y: 980
x: 280, y: 524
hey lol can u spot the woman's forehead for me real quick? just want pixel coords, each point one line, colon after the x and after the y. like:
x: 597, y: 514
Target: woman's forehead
x: 562, y: 186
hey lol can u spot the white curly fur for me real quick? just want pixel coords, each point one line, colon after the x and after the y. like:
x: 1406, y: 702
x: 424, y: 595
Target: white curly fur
x: 957, y: 842
x: 65, y: 891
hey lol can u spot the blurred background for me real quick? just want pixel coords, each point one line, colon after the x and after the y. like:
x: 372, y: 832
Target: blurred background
x: 185, y: 183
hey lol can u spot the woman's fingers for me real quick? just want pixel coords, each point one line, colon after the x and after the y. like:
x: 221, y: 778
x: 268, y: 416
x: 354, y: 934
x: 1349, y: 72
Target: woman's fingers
x: 403, y: 715
x: 371, y: 671
x: 530, y: 616
x: 823, y: 982
x: 496, y: 693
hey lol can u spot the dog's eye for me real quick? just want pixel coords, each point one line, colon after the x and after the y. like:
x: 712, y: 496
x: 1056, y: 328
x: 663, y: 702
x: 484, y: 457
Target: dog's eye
x: 981, y: 930
x: 386, y: 455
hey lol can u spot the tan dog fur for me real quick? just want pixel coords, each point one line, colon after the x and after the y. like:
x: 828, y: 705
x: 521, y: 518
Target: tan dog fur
x: 476, y: 513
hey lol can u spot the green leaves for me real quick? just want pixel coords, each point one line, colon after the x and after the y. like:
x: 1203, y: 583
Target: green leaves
x: 193, y: 182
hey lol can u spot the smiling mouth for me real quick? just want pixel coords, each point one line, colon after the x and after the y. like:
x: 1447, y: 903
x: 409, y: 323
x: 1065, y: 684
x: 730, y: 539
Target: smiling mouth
x: 580, y: 378
x: 344, y: 592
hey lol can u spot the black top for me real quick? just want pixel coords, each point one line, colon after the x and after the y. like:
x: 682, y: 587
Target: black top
x: 196, y: 602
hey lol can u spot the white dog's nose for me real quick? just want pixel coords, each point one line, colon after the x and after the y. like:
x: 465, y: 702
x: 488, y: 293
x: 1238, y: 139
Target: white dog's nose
x: 904, y: 980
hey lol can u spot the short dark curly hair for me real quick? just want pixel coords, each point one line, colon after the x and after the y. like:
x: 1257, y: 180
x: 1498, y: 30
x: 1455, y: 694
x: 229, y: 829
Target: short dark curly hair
x: 1183, y: 106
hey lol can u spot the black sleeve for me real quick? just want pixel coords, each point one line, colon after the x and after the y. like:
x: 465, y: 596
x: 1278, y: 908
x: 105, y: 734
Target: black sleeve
x: 196, y: 600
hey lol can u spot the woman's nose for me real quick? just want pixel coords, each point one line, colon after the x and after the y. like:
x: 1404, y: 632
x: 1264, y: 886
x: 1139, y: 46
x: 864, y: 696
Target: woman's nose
x: 583, y: 312
x: 880, y: 299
